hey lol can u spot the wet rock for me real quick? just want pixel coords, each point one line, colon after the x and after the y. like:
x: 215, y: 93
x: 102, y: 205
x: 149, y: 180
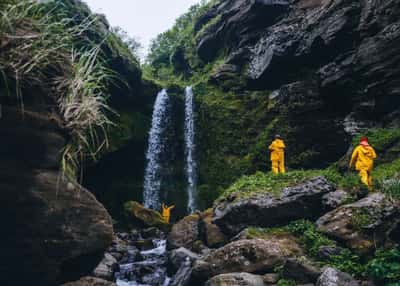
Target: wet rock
x: 364, y: 224
x: 333, y: 277
x: 143, y: 217
x: 301, y: 201
x: 211, y: 233
x: 90, y: 281
x: 183, y: 275
x: 300, y: 270
x: 335, y: 199
x: 144, y: 244
x: 236, y: 279
x: 178, y: 257
x: 251, y: 255
x: 106, y: 268
x: 151, y: 232
x: 185, y: 232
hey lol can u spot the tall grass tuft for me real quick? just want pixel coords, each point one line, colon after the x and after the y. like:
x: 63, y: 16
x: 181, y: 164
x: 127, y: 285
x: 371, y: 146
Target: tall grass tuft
x: 42, y: 46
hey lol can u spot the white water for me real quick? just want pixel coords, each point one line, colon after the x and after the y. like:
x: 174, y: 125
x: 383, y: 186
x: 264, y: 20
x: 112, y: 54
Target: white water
x: 156, y: 146
x: 190, y: 147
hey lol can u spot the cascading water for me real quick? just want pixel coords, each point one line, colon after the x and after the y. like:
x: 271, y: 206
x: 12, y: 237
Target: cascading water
x: 190, y: 147
x: 156, y: 146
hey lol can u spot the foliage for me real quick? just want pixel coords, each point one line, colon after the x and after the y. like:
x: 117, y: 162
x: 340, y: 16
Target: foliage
x: 269, y: 182
x: 387, y: 178
x: 348, y: 262
x: 285, y: 282
x: 46, y: 45
x: 309, y: 236
x: 133, y: 46
x: 385, y: 267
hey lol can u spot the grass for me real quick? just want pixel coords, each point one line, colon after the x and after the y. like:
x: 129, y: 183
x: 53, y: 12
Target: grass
x: 43, y: 46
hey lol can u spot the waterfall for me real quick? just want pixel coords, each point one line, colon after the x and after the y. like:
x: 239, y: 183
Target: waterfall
x: 190, y: 147
x: 156, y: 146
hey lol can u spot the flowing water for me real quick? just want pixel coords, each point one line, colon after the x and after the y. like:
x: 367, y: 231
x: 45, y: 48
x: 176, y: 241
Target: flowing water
x: 190, y: 147
x: 156, y: 147
x: 145, y: 267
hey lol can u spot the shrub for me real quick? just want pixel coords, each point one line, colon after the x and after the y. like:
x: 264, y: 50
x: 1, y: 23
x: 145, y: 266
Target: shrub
x: 385, y: 267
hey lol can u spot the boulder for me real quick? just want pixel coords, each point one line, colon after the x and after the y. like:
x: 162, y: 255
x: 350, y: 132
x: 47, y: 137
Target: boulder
x: 335, y: 199
x: 140, y: 216
x: 249, y: 255
x: 362, y: 225
x: 90, y: 281
x: 178, y: 257
x: 185, y: 233
x: 183, y: 275
x: 264, y: 209
x: 236, y: 279
x: 333, y: 277
x: 106, y: 268
x: 210, y: 232
x: 300, y: 270
x: 271, y: 278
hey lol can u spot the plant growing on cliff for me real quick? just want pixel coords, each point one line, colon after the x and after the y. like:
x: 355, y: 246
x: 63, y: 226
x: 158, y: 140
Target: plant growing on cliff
x: 385, y: 267
x: 44, y: 47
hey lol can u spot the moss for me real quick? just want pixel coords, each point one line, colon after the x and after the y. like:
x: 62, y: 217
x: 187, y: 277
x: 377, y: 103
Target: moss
x: 268, y: 183
x: 361, y: 218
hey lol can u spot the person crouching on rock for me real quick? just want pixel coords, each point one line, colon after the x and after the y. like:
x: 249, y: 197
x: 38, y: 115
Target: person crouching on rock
x: 277, y: 149
x: 363, y: 159
x: 166, y: 212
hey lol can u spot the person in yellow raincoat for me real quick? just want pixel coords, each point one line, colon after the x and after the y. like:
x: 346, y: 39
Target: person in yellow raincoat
x: 363, y: 159
x: 277, y: 149
x: 166, y: 212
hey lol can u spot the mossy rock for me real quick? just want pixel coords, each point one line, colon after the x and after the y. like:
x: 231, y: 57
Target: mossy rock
x: 140, y: 216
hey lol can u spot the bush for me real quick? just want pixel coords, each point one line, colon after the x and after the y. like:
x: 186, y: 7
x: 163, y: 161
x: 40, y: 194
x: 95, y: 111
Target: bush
x: 385, y: 267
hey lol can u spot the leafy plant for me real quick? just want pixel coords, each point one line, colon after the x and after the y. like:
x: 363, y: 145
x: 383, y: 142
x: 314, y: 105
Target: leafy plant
x: 348, y: 262
x: 385, y: 267
x: 285, y: 282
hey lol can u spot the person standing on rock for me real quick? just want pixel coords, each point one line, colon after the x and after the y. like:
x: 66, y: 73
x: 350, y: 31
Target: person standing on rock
x: 166, y: 212
x: 363, y: 159
x: 277, y: 149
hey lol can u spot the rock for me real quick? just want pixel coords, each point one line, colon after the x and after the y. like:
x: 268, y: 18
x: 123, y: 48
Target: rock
x: 335, y: 199
x: 363, y: 225
x: 143, y: 217
x: 266, y: 210
x: 185, y: 232
x: 90, y: 281
x: 178, y: 257
x: 333, y: 277
x: 300, y: 270
x: 326, y: 252
x: 183, y: 275
x: 212, y: 234
x: 106, y: 268
x: 60, y: 230
x: 251, y: 255
x: 151, y: 232
x: 271, y: 278
x: 236, y: 279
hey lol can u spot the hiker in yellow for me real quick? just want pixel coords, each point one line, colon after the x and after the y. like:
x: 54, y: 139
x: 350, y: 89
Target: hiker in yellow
x: 363, y: 158
x: 277, y: 149
x: 166, y: 212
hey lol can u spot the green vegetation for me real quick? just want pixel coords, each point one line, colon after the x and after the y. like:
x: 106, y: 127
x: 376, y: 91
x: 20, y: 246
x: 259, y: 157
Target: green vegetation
x: 48, y: 46
x: 348, y: 262
x: 380, y: 138
x: 285, y: 282
x: 385, y: 267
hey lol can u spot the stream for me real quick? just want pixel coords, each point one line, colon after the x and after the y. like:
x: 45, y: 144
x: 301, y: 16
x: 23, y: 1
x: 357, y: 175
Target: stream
x: 144, y: 263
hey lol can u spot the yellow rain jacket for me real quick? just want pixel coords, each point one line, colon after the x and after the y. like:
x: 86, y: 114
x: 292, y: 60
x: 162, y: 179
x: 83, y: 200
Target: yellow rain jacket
x: 166, y: 212
x: 363, y: 158
x: 277, y: 149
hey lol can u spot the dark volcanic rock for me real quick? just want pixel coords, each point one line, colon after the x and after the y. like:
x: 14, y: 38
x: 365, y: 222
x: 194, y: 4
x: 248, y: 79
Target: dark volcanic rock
x: 363, y: 225
x: 301, y: 201
x: 90, y: 281
x: 58, y: 230
x: 248, y: 255
x: 301, y: 271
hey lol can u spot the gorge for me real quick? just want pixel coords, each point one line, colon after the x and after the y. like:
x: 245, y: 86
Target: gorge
x: 93, y: 142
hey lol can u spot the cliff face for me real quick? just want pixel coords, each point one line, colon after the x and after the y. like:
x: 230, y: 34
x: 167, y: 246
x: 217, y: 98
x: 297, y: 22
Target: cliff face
x: 316, y: 72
